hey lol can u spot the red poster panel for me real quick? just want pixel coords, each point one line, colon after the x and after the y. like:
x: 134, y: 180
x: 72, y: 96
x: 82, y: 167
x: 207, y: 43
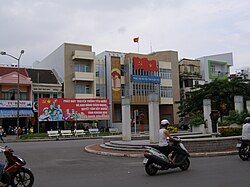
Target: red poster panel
x: 62, y: 109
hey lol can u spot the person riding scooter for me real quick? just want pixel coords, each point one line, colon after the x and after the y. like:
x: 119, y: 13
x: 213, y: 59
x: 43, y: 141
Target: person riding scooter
x: 164, y: 138
x: 246, y: 130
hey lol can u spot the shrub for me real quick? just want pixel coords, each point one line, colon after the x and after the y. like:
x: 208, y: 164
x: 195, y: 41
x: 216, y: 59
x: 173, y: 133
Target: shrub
x: 197, y: 119
x: 234, y: 118
x: 229, y: 131
x: 172, y: 129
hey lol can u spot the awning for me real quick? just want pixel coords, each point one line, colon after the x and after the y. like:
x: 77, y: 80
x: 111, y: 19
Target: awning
x: 9, y: 113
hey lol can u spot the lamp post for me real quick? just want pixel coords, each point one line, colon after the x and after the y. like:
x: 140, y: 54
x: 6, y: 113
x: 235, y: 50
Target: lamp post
x: 18, y: 77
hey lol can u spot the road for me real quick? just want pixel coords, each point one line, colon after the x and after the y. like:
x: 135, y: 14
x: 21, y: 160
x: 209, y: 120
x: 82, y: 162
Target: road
x: 65, y: 163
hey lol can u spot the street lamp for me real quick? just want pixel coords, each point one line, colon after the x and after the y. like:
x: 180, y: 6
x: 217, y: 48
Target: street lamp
x: 18, y: 77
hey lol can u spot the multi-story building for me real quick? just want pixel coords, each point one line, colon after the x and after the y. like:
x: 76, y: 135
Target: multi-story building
x: 9, y: 98
x: 190, y: 75
x: 214, y: 66
x: 136, y: 76
x: 74, y: 64
x: 45, y: 84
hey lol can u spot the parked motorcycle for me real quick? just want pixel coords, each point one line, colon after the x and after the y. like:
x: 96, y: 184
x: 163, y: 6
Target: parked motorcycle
x: 14, y: 172
x: 244, y: 149
x: 155, y: 160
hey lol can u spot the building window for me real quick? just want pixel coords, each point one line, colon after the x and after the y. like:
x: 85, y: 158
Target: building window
x: 123, y: 89
x: 55, y: 95
x: 188, y: 83
x: 166, y: 91
x: 12, y: 95
x: 165, y: 73
x: 191, y: 68
x: 82, y: 68
x: 82, y: 89
x: 213, y: 69
x: 122, y: 70
x: 46, y: 95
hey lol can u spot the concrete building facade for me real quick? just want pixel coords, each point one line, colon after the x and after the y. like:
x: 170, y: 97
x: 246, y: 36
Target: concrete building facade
x: 74, y: 64
x: 117, y: 78
x: 214, y: 66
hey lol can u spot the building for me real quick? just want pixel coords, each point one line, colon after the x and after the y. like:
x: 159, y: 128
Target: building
x: 74, y: 64
x: 190, y: 76
x: 136, y: 76
x: 45, y: 84
x: 214, y: 66
x: 9, y: 98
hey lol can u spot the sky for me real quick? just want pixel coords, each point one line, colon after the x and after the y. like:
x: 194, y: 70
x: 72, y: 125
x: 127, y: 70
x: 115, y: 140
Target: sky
x: 194, y: 28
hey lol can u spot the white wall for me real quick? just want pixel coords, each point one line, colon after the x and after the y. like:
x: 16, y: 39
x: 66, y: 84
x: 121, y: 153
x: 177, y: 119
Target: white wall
x: 225, y: 57
x: 55, y: 60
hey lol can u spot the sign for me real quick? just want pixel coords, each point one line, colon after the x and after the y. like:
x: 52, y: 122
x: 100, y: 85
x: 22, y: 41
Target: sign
x: 145, y: 64
x: 146, y: 79
x: 62, y: 109
x: 13, y: 104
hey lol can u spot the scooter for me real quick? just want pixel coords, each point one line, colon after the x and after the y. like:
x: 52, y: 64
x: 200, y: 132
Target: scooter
x: 155, y: 160
x: 244, y: 149
x: 14, y: 173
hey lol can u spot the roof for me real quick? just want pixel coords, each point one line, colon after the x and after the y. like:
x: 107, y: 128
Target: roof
x: 7, y: 70
x: 42, y: 76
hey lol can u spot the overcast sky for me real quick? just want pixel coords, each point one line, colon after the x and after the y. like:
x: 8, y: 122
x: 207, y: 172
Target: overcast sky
x: 194, y: 28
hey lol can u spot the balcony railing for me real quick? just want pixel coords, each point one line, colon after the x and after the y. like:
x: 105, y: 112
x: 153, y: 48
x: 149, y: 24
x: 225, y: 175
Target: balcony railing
x: 83, y: 76
x: 87, y: 55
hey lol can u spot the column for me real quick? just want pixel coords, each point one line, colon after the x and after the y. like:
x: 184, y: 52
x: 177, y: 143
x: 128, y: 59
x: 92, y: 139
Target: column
x: 207, y: 112
x: 238, y: 104
x: 154, y: 121
x: 126, y: 120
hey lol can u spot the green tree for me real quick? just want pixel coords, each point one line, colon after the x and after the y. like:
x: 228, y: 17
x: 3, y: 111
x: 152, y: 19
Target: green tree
x: 220, y: 91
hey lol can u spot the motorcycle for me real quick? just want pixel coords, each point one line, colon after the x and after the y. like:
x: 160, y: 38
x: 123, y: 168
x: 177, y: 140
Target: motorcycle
x: 155, y: 160
x: 14, y: 173
x: 244, y: 149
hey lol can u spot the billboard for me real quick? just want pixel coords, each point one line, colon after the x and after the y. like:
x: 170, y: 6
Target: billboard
x: 63, y: 109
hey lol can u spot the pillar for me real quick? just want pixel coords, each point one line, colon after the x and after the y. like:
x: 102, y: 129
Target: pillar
x: 207, y: 112
x: 126, y: 120
x: 238, y: 104
x: 154, y: 115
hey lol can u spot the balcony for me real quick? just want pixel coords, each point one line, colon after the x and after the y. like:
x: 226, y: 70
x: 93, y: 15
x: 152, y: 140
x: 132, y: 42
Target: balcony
x: 79, y: 96
x: 85, y: 55
x: 83, y: 76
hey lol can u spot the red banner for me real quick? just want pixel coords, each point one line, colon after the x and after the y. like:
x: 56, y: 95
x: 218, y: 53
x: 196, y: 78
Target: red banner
x: 145, y: 64
x: 61, y: 109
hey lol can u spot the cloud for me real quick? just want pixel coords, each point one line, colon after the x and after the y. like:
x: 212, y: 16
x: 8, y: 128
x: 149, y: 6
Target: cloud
x: 193, y: 28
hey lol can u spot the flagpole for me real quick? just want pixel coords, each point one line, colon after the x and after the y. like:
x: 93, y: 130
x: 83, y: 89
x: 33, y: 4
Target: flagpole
x: 150, y: 47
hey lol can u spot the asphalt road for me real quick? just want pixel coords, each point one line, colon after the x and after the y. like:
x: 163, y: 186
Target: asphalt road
x: 66, y: 164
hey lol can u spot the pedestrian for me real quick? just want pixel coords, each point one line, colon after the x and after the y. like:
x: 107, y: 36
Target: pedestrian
x: 19, y: 132
x: 1, y: 134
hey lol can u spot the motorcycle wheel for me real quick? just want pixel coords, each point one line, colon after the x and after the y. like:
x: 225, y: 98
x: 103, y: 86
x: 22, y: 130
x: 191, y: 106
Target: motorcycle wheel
x: 243, y: 153
x: 24, y: 177
x: 150, y: 168
x: 185, y: 165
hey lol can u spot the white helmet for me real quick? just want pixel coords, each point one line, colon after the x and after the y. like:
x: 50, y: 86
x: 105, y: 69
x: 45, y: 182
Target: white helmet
x: 165, y: 122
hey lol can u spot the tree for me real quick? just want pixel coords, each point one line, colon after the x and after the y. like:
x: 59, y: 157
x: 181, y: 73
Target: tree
x: 220, y: 91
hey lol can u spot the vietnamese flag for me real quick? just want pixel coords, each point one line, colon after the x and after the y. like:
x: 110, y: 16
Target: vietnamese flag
x: 137, y: 63
x: 136, y: 40
x: 152, y: 66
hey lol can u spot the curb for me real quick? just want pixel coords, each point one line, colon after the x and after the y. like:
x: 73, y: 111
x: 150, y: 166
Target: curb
x: 90, y: 149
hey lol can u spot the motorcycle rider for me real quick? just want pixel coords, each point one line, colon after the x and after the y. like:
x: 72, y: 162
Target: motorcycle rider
x: 164, y: 138
x: 246, y: 130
